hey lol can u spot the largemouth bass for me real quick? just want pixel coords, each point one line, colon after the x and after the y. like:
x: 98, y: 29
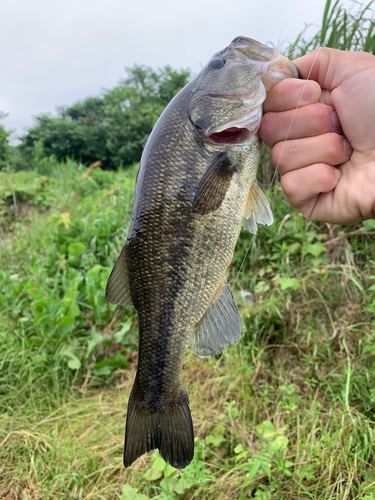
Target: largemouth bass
x: 195, y: 189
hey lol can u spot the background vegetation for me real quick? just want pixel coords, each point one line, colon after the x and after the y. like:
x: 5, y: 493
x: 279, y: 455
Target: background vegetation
x: 113, y: 127
x: 288, y: 413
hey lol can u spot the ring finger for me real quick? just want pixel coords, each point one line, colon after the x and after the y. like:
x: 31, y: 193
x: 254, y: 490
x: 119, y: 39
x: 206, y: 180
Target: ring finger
x: 330, y: 148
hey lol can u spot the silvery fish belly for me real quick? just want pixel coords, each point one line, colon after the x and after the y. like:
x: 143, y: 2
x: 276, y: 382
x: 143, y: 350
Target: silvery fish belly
x: 195, y: 189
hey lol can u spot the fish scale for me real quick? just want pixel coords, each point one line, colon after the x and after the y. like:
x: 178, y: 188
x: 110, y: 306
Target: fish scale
x: 195, y: 188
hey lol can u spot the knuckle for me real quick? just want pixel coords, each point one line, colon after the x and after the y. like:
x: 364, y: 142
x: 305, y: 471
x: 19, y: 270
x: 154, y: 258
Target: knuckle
x: 326, y: 177
x: 266, y: 130
x: 324, y: 52
x: 289, y: 184
x: 282, y: 155
x: 333, y: 147
x: 272, y: 129
x: 276, y: 154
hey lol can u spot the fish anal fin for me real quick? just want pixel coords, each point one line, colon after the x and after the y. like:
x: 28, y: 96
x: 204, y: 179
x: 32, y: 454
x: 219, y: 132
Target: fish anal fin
x: 220, y: 325
x: 118, y: 287
x: 169, y: 429
x: 213, y: 186
x: 257, y: 211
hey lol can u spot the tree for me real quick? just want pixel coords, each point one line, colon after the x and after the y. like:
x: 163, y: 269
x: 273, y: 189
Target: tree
x: 5, y: 148
x: 78, y: 132
x: 115, y: 126
x: 133, y: 107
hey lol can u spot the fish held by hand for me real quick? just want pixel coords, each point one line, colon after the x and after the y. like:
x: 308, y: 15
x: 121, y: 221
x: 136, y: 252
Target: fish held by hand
x: 196, y: 187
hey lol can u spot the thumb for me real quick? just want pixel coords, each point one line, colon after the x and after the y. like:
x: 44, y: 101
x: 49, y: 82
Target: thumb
x: 328, y: 67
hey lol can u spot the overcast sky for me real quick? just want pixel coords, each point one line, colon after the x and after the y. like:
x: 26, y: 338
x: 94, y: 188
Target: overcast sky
x: 56, y: 52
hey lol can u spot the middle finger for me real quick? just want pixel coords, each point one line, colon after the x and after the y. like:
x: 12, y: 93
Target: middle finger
x: 311, y: 120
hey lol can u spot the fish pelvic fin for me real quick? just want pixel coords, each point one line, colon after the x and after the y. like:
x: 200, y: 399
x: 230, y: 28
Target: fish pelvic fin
x: 258, y: 210
x: 169, y: 429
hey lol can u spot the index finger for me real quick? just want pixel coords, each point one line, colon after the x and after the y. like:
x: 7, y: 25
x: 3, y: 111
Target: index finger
x: 290, y: 94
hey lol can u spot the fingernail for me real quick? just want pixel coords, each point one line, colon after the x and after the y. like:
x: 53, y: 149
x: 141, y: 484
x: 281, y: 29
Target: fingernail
x: 309, y: 92
x: 348, y: 150
x: 336, y: 122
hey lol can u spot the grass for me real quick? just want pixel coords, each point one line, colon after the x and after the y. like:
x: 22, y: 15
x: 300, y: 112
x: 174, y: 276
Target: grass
x: 286, y: 414
x: 55, y: 262
x: 342, y: 28
x: 272, y: 428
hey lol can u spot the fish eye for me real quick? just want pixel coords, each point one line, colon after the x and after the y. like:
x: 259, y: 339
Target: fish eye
x: 216, y: 63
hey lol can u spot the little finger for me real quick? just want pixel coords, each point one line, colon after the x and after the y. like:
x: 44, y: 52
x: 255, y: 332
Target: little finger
x: 305, y: 183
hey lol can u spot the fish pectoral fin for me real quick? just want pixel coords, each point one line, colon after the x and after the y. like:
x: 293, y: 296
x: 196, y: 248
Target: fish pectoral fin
x: 118, y: 286
x: 257, y: 211
x: 220, y: 324
x: 213, y: 186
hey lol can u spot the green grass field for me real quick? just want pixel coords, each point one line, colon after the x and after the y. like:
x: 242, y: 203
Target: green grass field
x: 287, y: 414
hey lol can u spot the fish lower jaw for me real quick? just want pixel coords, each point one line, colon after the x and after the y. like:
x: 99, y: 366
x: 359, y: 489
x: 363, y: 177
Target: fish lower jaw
x: 231, y: 136
x: 240, y: 131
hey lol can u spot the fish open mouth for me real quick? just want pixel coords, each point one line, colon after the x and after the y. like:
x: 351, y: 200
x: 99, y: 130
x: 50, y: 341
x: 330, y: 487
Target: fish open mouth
x: 232, y: 135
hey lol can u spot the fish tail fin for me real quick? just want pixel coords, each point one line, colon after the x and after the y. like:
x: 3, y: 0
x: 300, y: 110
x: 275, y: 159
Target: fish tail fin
x: 169, y: 429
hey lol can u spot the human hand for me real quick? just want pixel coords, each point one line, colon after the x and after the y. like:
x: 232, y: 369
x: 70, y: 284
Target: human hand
x: 327, y: 176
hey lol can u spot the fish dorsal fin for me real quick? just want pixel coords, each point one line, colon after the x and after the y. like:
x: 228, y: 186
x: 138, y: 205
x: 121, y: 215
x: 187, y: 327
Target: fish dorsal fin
x: 118, y: 287
x: 213, y: 186
x: 220, y: 324
x: 258, y: 210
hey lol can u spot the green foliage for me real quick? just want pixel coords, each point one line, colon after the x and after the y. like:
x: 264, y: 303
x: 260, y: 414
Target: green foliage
x: 52, y: 286
x: 24, y: 187
x: 130, y: 493
x: 169, y: 484
x: 5, y: 148
x: 134, y: 106
x: 63, y: 139
x: 272, y: 450
x: 113, y: 127
x: 342, y: 28
x: 288, y: 412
